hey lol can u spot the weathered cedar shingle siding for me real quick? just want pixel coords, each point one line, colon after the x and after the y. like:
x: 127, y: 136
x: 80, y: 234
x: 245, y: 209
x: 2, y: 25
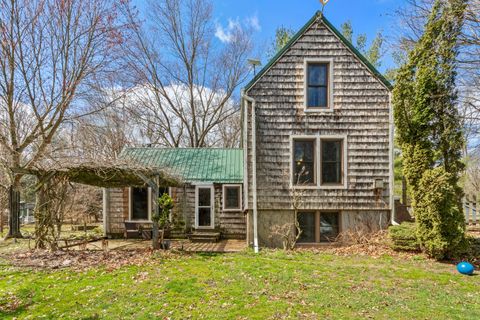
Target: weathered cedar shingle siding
x: 361, y: 112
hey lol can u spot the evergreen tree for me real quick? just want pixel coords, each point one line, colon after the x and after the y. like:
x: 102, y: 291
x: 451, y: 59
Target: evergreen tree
x: 282, y: 36
x: 372, y: 53
x: 429, y: 129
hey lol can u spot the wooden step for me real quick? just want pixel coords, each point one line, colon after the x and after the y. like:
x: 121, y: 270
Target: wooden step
x: 204, y: 236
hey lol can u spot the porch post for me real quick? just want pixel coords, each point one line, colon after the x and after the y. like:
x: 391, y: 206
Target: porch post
x: 14, y: 207
x: 155, y: 230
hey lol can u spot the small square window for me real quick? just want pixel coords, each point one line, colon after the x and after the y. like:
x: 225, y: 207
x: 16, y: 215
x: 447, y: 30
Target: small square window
x: 232, y: 198
x: 317, y: 85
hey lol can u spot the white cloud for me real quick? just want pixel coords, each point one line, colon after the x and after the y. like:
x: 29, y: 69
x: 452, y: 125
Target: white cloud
x: 253, y: 22
x: 226, y: 33
x: 222, y: 34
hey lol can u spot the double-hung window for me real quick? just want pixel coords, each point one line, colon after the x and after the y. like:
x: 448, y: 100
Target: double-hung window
x: 331, y: 163
x: 317, y: 85
x: 304, y: 162
x: 319, y: 161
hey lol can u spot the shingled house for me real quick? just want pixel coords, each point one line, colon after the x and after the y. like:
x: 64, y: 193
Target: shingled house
x: 317, y: 122
x: 317, y: 127
x: 208, y: 204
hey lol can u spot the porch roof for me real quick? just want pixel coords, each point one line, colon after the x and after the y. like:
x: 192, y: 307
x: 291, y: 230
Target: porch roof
x: 213, y: 165
x: 109, y: 176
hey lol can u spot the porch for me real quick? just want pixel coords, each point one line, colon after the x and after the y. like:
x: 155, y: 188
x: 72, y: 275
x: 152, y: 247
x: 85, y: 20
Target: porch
x: 222, y: 246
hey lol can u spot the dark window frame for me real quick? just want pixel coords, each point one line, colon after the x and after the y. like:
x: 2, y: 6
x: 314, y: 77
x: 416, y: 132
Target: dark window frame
x: 317, y: 219
x: 316, y: 86
x: 341, y: 161
x: 313, y: 162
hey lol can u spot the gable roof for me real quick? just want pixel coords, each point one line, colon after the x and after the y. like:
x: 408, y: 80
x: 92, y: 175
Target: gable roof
x: 319, y: 15
x: 192, y: 164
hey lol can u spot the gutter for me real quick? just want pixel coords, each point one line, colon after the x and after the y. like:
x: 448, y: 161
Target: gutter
x: 391, y: 160
x: 254, y: 164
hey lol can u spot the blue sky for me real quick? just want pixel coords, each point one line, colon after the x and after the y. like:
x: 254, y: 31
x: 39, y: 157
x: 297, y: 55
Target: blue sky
x: 367, y: 16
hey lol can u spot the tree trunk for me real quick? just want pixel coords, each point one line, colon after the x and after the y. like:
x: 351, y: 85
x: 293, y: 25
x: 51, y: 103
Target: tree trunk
x: 404, y: 191
x: 14, y: 207
x: 155, y: 232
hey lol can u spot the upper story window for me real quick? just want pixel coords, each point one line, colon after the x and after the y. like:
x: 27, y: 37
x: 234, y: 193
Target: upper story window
x: 332, y: 163
x: 317, y: 94
x: 304, y: 162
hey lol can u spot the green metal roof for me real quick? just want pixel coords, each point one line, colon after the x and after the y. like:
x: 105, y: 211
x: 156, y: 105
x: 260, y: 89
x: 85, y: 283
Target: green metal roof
x: 319, y: 15
x: 192, y: 164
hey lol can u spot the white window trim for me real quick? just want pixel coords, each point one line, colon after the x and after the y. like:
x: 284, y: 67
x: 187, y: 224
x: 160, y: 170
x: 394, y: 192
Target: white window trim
x: 315, y: 165
x: 130, y: 189
x: 212, y: 205
x: 318, y: 157
x: 345, y: 163
x: 306, y: 62
x: 240, y: 196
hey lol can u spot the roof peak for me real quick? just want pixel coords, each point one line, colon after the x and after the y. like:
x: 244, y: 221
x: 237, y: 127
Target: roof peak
x: 319, y: 15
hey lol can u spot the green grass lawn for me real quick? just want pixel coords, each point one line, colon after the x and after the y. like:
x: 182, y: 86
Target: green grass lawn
x: 270, y: 285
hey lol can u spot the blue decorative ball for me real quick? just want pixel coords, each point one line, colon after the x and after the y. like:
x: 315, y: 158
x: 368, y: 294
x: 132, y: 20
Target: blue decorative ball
x: 465, y: 268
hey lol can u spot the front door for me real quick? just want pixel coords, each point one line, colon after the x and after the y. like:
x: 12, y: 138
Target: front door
x: 204, y: 209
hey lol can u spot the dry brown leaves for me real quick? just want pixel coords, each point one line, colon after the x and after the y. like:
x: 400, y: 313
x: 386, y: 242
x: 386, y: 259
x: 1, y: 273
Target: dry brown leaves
x: 373, y: 245
x: 84, y: 259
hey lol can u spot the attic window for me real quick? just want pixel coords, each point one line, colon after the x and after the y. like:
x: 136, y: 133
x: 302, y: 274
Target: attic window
x: 317, y: 85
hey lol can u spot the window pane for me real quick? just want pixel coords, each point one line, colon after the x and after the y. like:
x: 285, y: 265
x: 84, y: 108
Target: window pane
x: 139, y: 204
x: 304, y: 173
x: 306, y: 220
x: 232, y: 197
x: 331, y: 173
x: 317, y: 74
x: 331, y: 150
x: 328, y: 226
x: 304, y: 150
x: 331, y: 161
x: 204, y: 197
x: 317, y: 97
x: 304, y: 160
x: 204, y: 218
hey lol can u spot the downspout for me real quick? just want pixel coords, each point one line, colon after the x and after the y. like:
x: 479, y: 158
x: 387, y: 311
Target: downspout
x: 245, y: 151
x: 254, y: 170
x: 391, y: 160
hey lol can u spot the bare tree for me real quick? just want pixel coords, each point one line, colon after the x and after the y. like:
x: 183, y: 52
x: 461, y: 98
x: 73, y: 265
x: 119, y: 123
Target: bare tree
x: 188, y: 79
x: 104, y: 134
x: 52, y: 53
x: 291, y: 232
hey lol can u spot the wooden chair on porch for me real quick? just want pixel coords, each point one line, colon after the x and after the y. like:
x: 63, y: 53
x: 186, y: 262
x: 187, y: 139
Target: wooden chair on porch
x: 131, y: 230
